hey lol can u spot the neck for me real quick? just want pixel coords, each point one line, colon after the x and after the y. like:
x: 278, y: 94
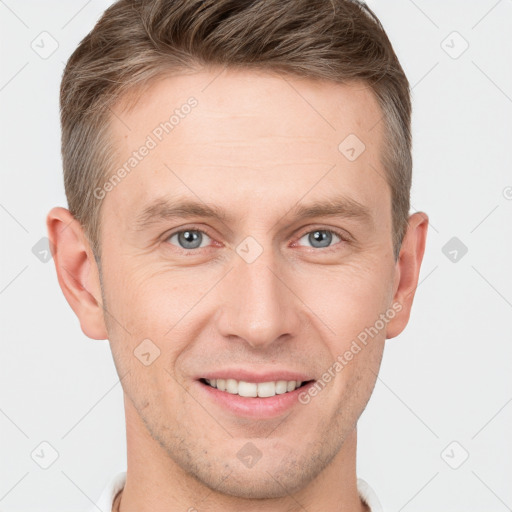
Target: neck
x: 154, y: 482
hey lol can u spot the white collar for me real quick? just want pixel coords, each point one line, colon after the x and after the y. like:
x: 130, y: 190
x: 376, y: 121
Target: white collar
x: 104, y: 503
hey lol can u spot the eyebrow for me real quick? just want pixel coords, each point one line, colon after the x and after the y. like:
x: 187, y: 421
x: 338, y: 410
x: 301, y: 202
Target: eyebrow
x: 166, y: 209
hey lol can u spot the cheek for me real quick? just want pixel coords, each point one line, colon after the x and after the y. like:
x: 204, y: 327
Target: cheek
x: 348, y: 299
x: 142, y: 308
x: 140, y: 296
x: 165, y: 304
x: 156, y: 305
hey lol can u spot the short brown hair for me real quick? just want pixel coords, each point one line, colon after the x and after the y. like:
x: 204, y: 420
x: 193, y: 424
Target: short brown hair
x: 137, y: 41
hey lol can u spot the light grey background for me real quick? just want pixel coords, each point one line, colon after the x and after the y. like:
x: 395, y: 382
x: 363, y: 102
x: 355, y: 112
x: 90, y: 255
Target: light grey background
x: 445, y: 379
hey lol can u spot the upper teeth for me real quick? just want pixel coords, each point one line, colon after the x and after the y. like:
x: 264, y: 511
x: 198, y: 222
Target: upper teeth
x: 252, y: 389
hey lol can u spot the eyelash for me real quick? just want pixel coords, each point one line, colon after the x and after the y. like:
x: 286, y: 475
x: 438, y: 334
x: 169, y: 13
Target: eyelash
x: 343, y: 237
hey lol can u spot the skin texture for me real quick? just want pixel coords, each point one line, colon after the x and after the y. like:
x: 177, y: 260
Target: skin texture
x: 256, y: 144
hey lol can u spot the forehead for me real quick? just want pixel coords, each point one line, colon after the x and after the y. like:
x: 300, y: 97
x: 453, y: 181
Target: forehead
x: 262, y: 135
x: 232, y: 97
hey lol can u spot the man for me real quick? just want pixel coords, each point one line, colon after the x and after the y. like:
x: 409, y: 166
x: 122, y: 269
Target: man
x: 238, y: 178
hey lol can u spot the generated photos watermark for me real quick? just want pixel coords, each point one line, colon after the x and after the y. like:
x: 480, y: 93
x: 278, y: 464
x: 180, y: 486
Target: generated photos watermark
x: 152, y: 140
x: 356, y: 346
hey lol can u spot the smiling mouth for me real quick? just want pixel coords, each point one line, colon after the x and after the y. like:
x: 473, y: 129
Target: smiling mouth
x: 253, y: 389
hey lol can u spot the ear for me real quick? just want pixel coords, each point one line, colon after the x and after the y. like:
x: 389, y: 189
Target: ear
x: 77, y: 271
x: 407, y: 272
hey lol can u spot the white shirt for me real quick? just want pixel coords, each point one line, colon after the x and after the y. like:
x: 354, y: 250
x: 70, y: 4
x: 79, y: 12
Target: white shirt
x: 106, y: 499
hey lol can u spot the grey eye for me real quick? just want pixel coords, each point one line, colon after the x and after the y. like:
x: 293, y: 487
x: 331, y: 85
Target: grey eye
x: 189, y: 239
x: 320, y: 238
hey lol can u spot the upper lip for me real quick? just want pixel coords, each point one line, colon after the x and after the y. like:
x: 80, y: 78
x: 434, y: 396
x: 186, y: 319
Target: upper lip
x: 252, y: 376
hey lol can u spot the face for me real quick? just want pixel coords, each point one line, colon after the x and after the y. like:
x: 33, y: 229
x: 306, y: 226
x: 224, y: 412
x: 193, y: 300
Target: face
x: 267, y: 290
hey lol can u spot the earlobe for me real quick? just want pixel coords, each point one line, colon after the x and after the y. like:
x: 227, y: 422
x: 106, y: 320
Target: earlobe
x: 77, y: 271
x: 408, y: 271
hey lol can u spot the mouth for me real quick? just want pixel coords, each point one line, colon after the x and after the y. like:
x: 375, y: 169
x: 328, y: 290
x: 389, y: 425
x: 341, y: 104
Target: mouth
x: 255, y: 389
x: 259, y: 396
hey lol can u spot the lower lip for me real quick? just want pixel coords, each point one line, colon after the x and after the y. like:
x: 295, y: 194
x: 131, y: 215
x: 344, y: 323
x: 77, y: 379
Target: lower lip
x: 255, y: 407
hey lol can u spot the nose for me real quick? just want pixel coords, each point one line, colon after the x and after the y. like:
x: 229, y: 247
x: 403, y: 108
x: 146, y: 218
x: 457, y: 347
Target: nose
x: 258, y: 304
